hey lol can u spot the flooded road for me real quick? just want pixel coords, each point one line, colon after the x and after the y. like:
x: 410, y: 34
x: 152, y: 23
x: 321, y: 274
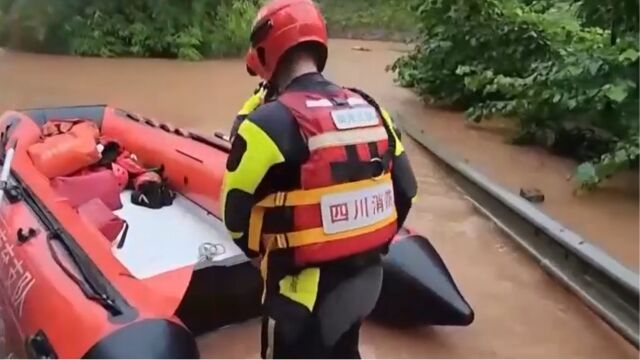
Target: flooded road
x: 607, y: 217
x: 520, y: 311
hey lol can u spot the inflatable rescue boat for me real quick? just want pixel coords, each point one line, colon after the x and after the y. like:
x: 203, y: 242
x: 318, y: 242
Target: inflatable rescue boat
x: 88, y: 271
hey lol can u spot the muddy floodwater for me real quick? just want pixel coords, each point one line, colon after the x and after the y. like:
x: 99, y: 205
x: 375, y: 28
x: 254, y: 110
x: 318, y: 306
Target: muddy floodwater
x: 607, y: 217
x: 520, y: 311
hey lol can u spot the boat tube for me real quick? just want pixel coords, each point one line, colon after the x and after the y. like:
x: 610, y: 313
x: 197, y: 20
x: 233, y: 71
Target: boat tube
x: 69, y: 290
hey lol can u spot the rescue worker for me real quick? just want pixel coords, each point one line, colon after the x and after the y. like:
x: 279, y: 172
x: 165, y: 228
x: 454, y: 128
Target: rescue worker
x: 317, y: 184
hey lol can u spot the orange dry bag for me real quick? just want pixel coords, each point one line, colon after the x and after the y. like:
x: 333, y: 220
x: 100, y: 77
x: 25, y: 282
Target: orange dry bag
x: 57, y: 127
x: 66, y: 152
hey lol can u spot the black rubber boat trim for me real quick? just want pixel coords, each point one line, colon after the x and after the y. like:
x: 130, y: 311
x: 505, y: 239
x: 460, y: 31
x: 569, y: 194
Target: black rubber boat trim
x: 92, y: 274
x: 146, y: 339
x: 215, y: 142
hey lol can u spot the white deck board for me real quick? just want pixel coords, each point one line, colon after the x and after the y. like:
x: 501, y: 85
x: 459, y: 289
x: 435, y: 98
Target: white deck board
x: 166, y: 239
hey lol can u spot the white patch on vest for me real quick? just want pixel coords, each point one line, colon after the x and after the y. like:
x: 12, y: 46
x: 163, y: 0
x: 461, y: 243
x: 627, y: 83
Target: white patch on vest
x: 354, y: 118
x: 356, y: 209
x: 347, y: 137
x: 353, y: 101
x: 319, y: 103
x: 357, y: 101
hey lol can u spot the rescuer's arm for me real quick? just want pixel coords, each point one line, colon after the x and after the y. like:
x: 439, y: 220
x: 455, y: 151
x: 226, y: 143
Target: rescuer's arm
x: 256, y: 99
x: 236, y: 124
x: 405, y: 187
x: 252, y: 154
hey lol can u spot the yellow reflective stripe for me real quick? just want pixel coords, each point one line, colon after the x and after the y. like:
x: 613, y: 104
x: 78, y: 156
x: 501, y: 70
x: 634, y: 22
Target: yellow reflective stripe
x: 255, y: 228
x: 317, y: 235
x: 256, y: 221
x: 414, y: 199
x: 302, y: 288
x: 253, y: 102
x: 387, y: 118
x: 347, y: 137
x: 310, y: 197
x: 261, y: 154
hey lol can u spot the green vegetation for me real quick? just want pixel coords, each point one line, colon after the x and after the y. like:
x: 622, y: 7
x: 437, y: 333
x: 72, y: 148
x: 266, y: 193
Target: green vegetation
x: 567, y: 71
x: 188, y: 30
x: 369, y: 19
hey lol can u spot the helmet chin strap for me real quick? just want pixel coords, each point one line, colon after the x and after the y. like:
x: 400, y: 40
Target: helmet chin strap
x: 272, y: 92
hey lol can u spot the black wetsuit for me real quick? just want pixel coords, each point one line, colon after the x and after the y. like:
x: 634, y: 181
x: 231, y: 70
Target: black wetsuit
x: 345, y: 290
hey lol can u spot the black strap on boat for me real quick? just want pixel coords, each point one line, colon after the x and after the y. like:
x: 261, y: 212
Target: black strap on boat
x: 215, y: 142
x: 123, y: 237
x: 84, y: 285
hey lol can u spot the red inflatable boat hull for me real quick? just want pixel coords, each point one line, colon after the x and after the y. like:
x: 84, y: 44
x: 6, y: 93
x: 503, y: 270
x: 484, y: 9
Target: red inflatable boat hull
x: 42, y: 306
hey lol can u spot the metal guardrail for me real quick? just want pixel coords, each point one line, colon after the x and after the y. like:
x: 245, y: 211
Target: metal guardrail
x: 606, y: 286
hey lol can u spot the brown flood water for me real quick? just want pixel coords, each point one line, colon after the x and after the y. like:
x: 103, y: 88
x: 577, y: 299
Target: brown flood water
x: 520, y: 311
x: 608, y: 217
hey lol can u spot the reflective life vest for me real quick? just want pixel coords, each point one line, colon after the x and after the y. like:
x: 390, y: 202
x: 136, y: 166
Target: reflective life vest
x: 345, y: 205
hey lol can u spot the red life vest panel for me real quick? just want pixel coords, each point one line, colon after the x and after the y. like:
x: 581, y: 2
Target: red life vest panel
x: 97, y: 214
x: 79, y: 189
x: 345, y: 205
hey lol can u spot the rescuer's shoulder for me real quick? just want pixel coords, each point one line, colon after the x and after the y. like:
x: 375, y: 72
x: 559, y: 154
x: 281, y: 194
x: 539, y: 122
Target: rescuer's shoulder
x: 272, y: 118
x: 278, y: 123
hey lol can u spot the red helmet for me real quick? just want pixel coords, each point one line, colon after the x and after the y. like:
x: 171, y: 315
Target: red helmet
x: 281, y: 25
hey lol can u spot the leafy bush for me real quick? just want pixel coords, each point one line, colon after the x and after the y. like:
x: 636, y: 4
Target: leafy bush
x: 187, y: 30
x: 619, y: 16
x: 475, y: 34
x: 231, y: 29
x: 624, y: 155
x: 28, y: 24
x: 373, y: 19
x: 533, y: 61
